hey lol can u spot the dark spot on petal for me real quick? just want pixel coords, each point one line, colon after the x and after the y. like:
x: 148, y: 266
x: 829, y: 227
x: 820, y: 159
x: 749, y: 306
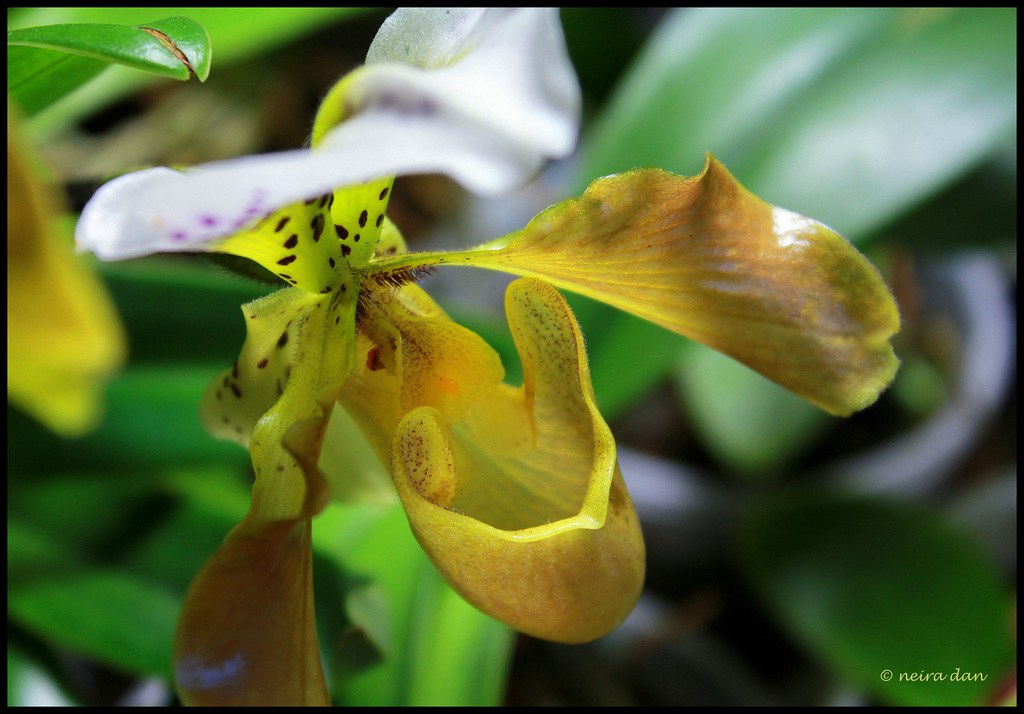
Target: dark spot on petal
x: 317, y: 224
x: 331, y: 261
x: 356, y: 237
x: 238, y: 430
x: 208, y: 220
x: 285, y: 261
x: 323, y: 199
x: 383, y: 194
x: 340, y: 230
x: 178, y: 235
x: 330, y: 201
x: 380, y: 220
x: 311, y: 201
x: 373, y: 361
x: 326, y: 290
x: 225, y: 381
x: 262, y: 363
x: 281, y: 223
x: 336, y: 321
x: 236, y: 390
x: 292, y: 242
x: 344, y: 288
x: 285, y: 276
x: 362, y: 219
x: 345, y: 250
x: 234, y: 370
x: 280, y: 390
x: 283, y: 340
x: 225, y: 420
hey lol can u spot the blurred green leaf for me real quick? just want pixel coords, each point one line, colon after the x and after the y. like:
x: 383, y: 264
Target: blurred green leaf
x: 107, y: 614
x: 884, y: 105
x: 439, y: 649
x: 177, y: 310
x: 628, y: 360
x: 713, y: 80
x: 151, y: 420
x: 872, y: 586
x: 46, y: 63
x: 108, y: 584
x: 923, y: 104
x: 462, y: 656
x: 750, y: 424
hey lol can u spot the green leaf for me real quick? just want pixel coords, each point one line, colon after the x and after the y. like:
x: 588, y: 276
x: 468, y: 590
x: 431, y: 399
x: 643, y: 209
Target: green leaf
x: 142, y: 402
x: 874, y: 587
x: 437, y: 649
x: 107, y: 614
x: 689, y: 92
x: 237, y: 33
x: 628, y: 360
x: 37, y: 78
x: 923, y: 104
x: 451, y: 636
x: 820, y: 106
x: 753, y: 436
x: 46, y: 63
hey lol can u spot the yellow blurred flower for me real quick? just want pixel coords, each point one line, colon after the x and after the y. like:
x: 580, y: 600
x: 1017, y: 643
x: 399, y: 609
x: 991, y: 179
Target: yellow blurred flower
x: 63, y: 336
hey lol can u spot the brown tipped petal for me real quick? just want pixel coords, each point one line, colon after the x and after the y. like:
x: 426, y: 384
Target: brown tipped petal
x: 247, y: 633
x: 704, y: 257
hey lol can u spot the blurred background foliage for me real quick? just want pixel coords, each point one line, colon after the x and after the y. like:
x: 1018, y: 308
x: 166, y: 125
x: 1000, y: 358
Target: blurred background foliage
x: 793, y: 557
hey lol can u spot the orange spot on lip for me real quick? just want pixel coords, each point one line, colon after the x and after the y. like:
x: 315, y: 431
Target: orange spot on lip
x: 449, y: 386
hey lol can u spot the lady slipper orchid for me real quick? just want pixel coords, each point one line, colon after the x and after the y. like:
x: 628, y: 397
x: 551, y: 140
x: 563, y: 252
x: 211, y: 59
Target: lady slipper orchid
x: 514, y: 493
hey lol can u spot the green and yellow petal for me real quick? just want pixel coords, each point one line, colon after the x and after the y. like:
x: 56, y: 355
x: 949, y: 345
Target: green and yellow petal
x: 704, y: 257
x: 513, y: 493
x: 317, y: 244
x: 247, y: 633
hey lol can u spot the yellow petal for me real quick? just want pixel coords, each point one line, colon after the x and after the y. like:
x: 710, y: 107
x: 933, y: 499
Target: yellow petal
x: 63, y: 335
x: 513, y: 493
x: 704, y: 257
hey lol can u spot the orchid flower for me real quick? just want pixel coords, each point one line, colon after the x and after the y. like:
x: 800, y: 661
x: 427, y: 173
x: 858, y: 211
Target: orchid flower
x: 514, y: 493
